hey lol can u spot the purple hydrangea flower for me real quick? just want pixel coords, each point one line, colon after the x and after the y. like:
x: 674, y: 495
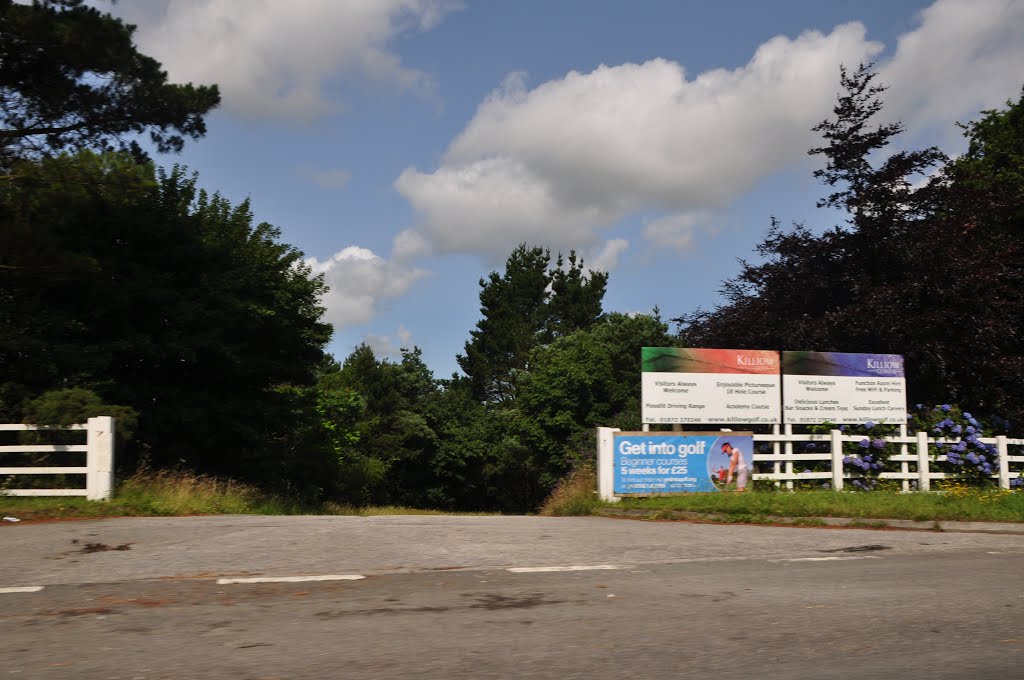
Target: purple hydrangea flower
x: 946, y: 408
x: 878, y: 443
x: 863, y: 443
x: 870, y: 424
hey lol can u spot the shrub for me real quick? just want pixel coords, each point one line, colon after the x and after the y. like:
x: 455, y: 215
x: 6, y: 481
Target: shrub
x: 575, y: 494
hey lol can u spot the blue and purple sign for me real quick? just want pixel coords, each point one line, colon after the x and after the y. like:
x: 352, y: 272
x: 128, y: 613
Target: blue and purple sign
x: 837, y: 387
x: 658, y: 463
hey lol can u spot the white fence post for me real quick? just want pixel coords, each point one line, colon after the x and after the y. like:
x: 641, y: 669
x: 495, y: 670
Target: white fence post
x: 100, y: 458
x: 837, y: 459
x: 904, y: 466
x: 605, y: 459
x: 776, y: 466
x: 788, y: 429
x: 924, y: 480
x: 1003, y: 452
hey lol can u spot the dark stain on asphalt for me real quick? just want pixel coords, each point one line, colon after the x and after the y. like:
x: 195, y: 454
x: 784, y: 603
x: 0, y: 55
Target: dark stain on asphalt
x: 492, y: 601
x: 488, y: 601
x: 858, y: 548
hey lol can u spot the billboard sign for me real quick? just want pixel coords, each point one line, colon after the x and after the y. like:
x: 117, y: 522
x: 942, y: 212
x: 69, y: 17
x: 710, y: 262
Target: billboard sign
x: 839, y: 388
x: 658, y: 463
x: 710, y: 386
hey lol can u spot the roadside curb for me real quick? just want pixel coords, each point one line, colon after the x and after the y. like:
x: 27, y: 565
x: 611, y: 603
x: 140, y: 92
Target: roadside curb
x: 848, y: 522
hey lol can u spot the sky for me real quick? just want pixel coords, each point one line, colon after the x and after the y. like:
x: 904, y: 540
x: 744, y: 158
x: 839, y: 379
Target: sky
x: 407, y: 146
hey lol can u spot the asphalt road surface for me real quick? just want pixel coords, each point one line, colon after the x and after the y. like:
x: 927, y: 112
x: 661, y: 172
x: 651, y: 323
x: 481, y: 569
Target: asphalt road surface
x: 503, y: 597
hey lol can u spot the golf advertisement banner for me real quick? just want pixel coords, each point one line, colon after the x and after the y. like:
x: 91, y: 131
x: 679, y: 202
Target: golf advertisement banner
x: 710, y: 386
x: 657, y: 463
x: 842, y: 388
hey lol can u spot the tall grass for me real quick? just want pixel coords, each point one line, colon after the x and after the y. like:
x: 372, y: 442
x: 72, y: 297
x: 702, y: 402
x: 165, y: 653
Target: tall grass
x: 575, y: 494
x: 185, y: 493
x: 167, y: 493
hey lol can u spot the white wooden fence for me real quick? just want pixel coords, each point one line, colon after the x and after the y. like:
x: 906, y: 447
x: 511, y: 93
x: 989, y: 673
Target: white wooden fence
x: 788, y: 466
x: 99, y: 460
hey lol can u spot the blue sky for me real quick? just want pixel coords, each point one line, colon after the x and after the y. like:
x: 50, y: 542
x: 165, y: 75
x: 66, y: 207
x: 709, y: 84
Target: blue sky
x: 405, y: 146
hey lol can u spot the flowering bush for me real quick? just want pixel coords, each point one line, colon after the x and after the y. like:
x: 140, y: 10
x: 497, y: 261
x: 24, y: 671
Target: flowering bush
x: 966, y: 455
x: 865, y: 459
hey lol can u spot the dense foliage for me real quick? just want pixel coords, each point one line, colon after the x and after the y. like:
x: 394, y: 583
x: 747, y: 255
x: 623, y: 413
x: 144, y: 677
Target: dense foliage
x: 71, y: 78
x: 126, y: 290
x: 930, y: 263
x: 159, y: 297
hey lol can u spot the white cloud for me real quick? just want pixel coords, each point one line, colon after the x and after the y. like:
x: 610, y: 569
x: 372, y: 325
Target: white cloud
x: 410, y: 245
x: 964, y: 57
x: 559, y: 163
x: 404, y: 336
x: 273, y: 59
x: 383, y: 346
x: 675, y: 231
x: 607, y: 259
x: 358, y: 281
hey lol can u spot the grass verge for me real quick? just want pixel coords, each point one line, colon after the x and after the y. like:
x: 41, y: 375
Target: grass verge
x: 957, y: 504
x: 160, y: 494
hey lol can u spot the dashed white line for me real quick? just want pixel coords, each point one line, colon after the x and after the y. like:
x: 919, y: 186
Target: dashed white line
x: 290, y: 579
x: 21, y: 589
x: 588, y: 567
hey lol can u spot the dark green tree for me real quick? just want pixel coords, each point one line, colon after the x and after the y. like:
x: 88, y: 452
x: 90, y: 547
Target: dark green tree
x: 162, y: 298
x: 395, y: 439
x: 514, y: 310
x: 587, y: 379
x: 931, y: 271
x: 576, y: 297
x: 526, y: 306
x: 72, y: 78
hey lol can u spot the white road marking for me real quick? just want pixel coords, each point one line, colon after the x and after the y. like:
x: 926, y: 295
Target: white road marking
x: 21, y: 589
x: 828, y: 559
x: 290, y: 579
x: 590, y: 567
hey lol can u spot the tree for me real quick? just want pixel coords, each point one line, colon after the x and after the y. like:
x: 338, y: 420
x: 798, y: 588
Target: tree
x: 514, y: 310
x: 395, y: 439
x: 524, y: 307
x: 932, y: 272
x: 160, y: 297
x: 583, y: 380
x: 575, y: 301
x: 71, y: 78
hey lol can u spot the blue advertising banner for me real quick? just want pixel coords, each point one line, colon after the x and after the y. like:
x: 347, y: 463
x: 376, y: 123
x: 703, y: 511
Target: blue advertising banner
x: 658, y: 463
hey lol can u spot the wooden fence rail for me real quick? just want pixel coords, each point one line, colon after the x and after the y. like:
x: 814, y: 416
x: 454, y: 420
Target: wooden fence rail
x: 99, y: 459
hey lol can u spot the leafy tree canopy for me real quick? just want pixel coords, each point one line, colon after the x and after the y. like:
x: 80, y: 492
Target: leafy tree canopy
x: 71, y: 78
x: 159, y: 297
x: 932, y: 271
x: 529, y: 304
